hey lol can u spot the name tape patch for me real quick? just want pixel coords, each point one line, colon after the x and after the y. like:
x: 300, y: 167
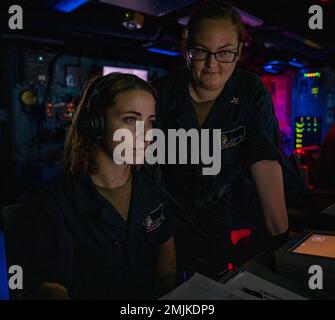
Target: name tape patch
x: 232, y: 138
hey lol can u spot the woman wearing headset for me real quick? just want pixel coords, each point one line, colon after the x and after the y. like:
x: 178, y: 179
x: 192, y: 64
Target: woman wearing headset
x: 102, y: 230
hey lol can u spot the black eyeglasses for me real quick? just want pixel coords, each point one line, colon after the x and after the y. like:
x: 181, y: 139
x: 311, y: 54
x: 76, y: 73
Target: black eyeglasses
x: 223, y: 56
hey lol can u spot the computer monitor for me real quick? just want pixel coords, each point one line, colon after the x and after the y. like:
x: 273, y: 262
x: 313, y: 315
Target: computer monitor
x: 317, y: 244
x: 305, y: 250
x: 143, y: 74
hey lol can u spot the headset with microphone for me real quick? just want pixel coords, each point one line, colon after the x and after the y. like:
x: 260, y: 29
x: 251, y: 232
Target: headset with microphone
x: 91, y: 122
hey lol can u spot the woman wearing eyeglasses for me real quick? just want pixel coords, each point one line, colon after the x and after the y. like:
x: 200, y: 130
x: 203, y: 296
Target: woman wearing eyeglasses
x: 212, y: 93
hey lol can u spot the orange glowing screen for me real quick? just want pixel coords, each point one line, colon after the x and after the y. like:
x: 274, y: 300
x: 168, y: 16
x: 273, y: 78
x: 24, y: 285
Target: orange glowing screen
x: 322, y: 245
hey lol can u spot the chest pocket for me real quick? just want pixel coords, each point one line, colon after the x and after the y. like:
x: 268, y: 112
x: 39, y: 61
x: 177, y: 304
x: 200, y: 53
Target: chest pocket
x: 231, y: 143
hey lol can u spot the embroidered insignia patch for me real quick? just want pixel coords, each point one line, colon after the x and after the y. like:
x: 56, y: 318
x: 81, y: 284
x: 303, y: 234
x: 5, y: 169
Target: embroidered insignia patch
x: 235, y: 100
x: 154, y: 219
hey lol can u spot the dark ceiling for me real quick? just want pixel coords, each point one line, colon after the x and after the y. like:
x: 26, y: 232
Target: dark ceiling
x: 95, y: 29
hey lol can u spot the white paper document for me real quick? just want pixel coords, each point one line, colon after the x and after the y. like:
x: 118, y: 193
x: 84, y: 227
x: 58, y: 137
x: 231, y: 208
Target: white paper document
x: 198, y: 287
x: 244, y: 286
x: 247, y: 286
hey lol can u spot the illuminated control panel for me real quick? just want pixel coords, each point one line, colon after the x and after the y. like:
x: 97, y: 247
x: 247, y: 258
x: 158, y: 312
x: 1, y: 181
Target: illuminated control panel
x: 59, y: 115
x: 307, y: 131
x: 69, y: 113
x: 312, y: 74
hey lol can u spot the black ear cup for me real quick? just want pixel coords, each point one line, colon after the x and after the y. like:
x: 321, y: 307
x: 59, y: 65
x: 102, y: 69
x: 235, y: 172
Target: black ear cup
x: 92, y: 122
x: 92, y: 126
